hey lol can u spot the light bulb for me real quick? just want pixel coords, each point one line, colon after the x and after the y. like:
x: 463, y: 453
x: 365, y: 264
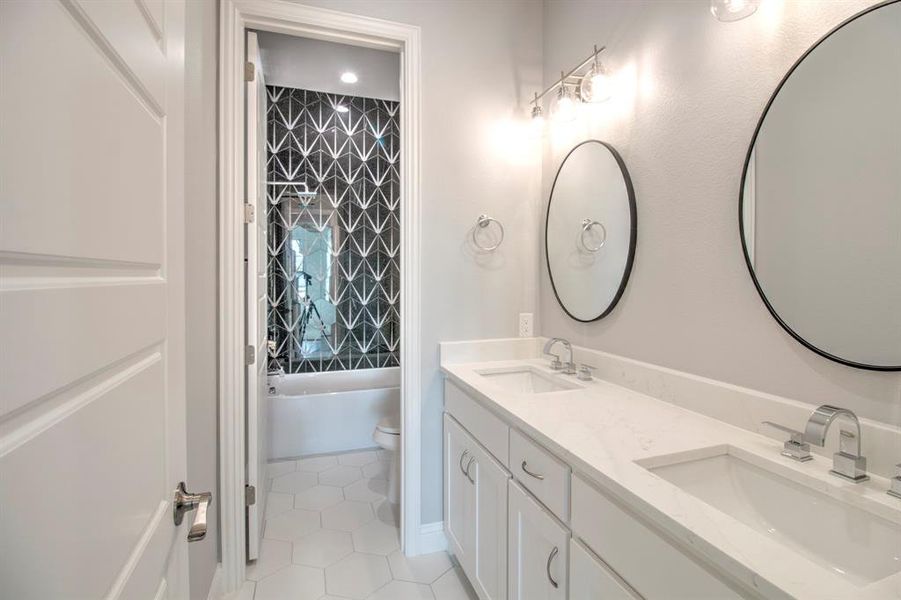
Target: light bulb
x: 349, y: 77
x: 596, y: 85
x: 341, y: 108
x: 565, y: 108
x: 733, y: 10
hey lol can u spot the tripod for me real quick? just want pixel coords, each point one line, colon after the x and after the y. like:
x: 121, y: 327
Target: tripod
x: 309, y: 308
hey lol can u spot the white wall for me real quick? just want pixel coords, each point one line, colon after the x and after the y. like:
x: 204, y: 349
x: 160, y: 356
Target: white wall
x: 309, y: 64
x: 202, y: 27
x: 480, y: 63
x: 692, y: 90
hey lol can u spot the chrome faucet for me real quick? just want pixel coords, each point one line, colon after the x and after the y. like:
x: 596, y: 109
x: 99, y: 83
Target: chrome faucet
x: 847, y: 462
x: 568, y: 367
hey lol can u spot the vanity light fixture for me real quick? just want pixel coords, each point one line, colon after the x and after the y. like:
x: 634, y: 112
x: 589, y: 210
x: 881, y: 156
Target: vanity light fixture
x: 349, y: 77
x: 575, y: 86
x: 733, y: 10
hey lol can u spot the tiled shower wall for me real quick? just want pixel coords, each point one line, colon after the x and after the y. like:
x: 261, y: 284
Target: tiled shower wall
x: 333, y: 187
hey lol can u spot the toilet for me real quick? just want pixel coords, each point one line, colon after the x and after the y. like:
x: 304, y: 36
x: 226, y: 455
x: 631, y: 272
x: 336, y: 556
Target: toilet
x: 387, y: 436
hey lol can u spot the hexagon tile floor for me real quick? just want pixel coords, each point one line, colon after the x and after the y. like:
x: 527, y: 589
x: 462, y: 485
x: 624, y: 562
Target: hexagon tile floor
x: 331, y: 534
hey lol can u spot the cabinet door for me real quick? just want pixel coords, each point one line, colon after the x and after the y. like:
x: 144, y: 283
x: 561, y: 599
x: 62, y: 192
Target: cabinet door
x: 591, y: 578
x: 489, y: 576
x: 459, y: 495
x: 538, y: 549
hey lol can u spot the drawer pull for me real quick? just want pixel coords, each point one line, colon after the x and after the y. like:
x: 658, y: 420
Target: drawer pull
x: 529, y: 473
x: 462, y: 468
x: 469, y: 464
x: 550, y: 559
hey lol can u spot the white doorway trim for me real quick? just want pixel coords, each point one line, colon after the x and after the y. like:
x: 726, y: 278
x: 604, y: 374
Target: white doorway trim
x: 296, y: 19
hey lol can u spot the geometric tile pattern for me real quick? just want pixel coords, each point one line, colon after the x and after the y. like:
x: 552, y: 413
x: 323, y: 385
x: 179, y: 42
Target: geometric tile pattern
x: 354, y: 553
x: 333, y: 190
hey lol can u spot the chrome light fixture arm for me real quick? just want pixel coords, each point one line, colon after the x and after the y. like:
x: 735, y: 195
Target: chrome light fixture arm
x: 569, y: 75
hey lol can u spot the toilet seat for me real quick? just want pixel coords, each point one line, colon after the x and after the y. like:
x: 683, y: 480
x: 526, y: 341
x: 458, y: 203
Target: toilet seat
x: 389, y: 425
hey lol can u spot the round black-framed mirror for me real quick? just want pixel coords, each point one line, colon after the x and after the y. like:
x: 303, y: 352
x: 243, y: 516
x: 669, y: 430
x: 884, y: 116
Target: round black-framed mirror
x: 820, y: 196
x: 590, y: 231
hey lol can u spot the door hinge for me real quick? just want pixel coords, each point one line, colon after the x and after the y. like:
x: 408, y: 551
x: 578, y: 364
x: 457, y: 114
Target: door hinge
x: 250, y: 495
x: 250, y: 355
x: 249, y: 71
x: 249, y: 213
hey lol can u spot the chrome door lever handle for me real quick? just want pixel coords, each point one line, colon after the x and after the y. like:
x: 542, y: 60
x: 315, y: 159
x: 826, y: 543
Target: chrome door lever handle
x: 185, y: 502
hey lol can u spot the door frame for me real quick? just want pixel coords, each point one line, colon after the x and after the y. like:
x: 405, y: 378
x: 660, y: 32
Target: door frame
x: 236, y: 16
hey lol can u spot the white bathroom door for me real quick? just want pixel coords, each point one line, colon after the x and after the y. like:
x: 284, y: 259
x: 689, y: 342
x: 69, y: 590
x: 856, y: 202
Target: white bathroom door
x: 256, y: 300
x: 92, y: 358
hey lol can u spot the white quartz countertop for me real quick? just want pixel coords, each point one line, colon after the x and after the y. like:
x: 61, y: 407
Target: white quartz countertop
x: 602, y: 429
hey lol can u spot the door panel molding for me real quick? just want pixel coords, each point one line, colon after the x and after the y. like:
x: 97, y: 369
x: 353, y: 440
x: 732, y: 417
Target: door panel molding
x: 92, y: 398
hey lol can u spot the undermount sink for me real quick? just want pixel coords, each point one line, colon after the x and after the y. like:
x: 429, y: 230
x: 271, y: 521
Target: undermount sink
x: 526, y: 380
x: 847, y: 539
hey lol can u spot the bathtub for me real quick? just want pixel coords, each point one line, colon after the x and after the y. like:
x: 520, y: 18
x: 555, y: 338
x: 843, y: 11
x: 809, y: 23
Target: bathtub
x: 315, y: 413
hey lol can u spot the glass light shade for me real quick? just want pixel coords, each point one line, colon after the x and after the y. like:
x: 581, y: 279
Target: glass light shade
x: 565, y: 107
x: 733, y: 10
x: 596, y: 85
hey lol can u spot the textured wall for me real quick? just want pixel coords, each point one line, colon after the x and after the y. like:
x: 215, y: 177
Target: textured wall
x: 480, y: 63
x: 691, y: 90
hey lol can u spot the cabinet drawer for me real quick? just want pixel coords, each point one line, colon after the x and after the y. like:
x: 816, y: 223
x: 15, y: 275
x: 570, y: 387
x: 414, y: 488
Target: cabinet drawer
x: 591, y: 578
x: 630, y: 547
x: 484, y: 426
x: 541, y: 473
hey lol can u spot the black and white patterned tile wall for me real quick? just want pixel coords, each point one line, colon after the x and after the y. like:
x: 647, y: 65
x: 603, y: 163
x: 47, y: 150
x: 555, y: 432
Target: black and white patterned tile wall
x: 333, y: 187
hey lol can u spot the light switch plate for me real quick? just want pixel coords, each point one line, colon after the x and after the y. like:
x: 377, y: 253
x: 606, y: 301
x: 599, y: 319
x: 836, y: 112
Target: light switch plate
x: 525, y: 324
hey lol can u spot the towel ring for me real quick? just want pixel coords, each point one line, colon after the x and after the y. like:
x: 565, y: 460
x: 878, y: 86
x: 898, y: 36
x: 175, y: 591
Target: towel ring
x: 483, y: 222
x: 587, y: 224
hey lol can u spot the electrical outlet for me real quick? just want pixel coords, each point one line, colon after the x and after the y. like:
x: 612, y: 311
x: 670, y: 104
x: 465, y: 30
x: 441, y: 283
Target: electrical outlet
x: 525, y: 324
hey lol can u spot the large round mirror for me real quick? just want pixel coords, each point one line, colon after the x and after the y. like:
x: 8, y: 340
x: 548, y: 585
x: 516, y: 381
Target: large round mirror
x: 820, y: 207
x: 590, y: 231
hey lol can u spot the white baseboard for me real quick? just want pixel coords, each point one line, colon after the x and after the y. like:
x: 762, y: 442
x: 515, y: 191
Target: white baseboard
x: 217, y: 585
x: 431, y: 538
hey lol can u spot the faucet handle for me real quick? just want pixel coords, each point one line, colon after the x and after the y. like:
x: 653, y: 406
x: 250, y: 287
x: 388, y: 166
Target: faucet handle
x: 556, y: 365
x: 584, y: 372
x: 895, y: 489
x: 796, y: 447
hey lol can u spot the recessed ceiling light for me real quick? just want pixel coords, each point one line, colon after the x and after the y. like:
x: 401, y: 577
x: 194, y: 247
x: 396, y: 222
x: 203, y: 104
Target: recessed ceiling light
x: 341, y: 108
x: 348, y: 77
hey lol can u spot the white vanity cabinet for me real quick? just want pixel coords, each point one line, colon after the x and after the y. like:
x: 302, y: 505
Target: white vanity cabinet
x: 545, y: 532
x: 538, y: 549
x: 476, y: 511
